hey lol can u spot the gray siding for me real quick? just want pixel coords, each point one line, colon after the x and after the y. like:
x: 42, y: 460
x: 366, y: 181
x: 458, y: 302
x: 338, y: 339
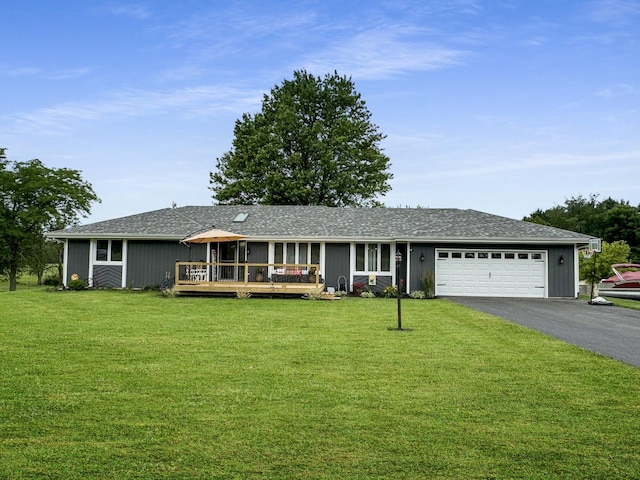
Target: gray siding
x: 78, y: 259
x: 382, y: 282
x: 561, y: 276
x: 419, y: 268
x: 148, y: 261
x: 107, y: 276
x: 336, y: 264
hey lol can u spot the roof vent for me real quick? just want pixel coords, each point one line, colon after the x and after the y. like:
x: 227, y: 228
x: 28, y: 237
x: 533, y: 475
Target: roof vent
x: 241, y: 217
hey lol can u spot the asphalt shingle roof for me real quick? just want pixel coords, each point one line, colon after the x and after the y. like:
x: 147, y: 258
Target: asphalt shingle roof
x: 311, y: 222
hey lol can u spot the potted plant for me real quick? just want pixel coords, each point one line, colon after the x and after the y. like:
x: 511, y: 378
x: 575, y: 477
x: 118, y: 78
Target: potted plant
x: 260, y: 274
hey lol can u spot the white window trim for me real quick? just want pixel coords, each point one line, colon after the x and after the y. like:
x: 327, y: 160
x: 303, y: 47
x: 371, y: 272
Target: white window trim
x: 93, y: 250
x: 272, y: 252
x: 378, y: 271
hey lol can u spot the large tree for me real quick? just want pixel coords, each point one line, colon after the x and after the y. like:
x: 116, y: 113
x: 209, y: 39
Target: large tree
x: 34, y: 199
x: 313, y: 143
x: 609, y: 219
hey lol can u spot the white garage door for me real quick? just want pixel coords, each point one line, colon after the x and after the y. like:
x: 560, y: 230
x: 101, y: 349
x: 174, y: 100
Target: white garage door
x: 509, y: 273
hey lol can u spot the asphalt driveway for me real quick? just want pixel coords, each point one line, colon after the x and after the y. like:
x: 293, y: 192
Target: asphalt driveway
x: 610, y: 331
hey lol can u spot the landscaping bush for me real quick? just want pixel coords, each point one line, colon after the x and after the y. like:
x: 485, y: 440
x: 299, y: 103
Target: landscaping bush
x: 428, y: 284
x: 51, y: 281
x: 390, y: 292
x: 77, y: 284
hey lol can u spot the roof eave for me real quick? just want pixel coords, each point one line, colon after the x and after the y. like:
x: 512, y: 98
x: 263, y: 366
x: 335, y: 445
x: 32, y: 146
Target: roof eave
x: 87, y: 236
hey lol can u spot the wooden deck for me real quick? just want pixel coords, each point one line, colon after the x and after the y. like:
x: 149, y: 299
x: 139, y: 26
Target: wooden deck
x: 202, y: 278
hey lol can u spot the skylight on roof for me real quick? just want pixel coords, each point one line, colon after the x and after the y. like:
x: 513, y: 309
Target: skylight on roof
x: 241, y: 217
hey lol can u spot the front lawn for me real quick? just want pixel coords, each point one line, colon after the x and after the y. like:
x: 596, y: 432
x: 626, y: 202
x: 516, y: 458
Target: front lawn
x: 117, y: 385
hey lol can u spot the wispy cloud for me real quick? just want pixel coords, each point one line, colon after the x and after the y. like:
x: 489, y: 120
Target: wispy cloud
x: 47, y: 75
x: 204, y: 100
x: 558, y: 161
x: 20, y: 71
x: 69, y: 73
x: 139, y: 12
x: 615, y: 11
x: 620, y: 90
x: 375, y: 54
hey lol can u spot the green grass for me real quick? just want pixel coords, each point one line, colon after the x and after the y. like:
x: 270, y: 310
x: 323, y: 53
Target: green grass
x: 121, y: 385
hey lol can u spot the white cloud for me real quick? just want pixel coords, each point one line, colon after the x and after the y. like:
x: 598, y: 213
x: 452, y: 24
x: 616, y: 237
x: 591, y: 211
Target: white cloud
x: 614, y: 11
x: 620, y: 90
x: 383, y: 53
x: 139, y: 12
x: 203, y: 100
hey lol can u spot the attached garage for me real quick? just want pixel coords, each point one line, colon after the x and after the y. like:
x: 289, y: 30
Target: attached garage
x: 491, y: 273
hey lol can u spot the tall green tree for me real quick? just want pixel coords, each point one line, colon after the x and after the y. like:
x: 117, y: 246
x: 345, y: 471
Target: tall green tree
x: 312, y: 143
x: 609, y: 219
x: 33, y: 200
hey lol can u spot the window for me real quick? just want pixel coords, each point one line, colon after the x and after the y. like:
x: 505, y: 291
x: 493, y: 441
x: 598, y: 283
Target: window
x: 523, y: 256
x: 278, y: 256
x: 469, y: 255
x: 373, y: 257
x: 456, y: 254
x: 536, y: 256
x: 483, y: 255
x: 109, y: 250
x: 509, y: 256
x: 291, y: 253
x: 102, y: 250
x: 443, y: 254
x: 496, y: 255
x: 296, y: 253
x: 385, y: 257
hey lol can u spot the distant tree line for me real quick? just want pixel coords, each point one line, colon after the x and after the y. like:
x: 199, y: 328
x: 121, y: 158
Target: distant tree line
x: 609, y: 219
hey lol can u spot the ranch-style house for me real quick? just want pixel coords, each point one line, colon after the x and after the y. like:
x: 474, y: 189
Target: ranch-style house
x: 225, y: 249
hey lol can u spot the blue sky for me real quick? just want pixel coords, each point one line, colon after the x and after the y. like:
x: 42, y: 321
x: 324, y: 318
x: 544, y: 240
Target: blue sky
x: 499, y: 106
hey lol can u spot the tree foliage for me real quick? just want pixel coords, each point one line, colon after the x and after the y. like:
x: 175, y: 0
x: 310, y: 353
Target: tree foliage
x: 33, y: 200
x: 598, y: 266
x: 312, y: 143
x: 611, y: 220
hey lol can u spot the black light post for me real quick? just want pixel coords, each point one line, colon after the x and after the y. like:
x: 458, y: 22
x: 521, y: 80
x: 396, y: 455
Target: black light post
x: 399, y: 286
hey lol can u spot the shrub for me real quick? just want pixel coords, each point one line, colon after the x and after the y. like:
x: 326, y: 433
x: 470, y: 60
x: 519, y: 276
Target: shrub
x: 170, y: 292
x: 390, y: 292
x: 428, y: 284
x: 368, y: 294
x: 77, y: 284
x: 51, y: 281
x: 418, y: 294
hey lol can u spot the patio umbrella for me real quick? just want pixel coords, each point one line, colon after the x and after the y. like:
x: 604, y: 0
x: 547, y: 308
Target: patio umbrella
x: 215, y: 235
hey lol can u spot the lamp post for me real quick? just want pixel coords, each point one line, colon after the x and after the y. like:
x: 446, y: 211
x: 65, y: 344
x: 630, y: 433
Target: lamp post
x: 399, y: 286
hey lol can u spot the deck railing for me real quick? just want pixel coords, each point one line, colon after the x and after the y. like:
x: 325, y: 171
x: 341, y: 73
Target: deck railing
x: 198, y: 273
